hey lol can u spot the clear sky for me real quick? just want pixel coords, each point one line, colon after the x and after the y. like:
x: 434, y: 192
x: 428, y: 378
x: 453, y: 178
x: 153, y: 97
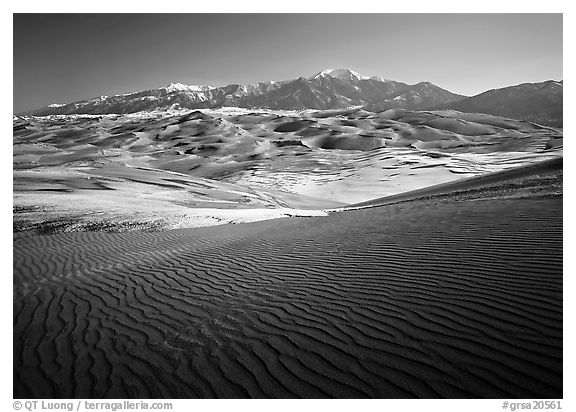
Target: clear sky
x: 59, y: 58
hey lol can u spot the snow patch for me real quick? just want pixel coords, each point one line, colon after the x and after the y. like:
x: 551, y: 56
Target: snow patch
x: 173, y: 87
x: 380, y: 79
x: 342, y: 74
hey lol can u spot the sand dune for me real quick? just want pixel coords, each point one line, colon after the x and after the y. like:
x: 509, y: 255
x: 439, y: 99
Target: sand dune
x: 438, y: 272
x: 155, y: 170
x: 126, y: 168
x: 438, y: 297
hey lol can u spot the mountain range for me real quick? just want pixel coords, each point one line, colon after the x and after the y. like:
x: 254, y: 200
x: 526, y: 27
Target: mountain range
x: 332, y: 89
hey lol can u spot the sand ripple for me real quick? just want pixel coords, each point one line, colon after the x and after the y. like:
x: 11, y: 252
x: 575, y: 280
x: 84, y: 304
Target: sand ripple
x: 420, y: 299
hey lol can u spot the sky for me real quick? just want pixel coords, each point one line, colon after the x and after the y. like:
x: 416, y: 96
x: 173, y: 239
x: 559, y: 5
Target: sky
x: 60, y: 58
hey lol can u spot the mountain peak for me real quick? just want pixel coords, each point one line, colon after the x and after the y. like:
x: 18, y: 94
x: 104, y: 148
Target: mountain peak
x: 172, y: 87
x: 180, y: 87
x: 342, y: 74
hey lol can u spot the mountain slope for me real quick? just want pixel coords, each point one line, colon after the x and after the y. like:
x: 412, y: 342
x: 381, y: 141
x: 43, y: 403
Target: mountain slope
x: 421, y: 96
x: 536, y: 102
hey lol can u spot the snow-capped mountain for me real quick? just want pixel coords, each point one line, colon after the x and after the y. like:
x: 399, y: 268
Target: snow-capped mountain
x: 342, y: 74
x: 179, y: 87
x: 328, y: 89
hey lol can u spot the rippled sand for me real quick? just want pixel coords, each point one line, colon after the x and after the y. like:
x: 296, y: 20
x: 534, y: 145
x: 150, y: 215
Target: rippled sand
x: 451, y: 296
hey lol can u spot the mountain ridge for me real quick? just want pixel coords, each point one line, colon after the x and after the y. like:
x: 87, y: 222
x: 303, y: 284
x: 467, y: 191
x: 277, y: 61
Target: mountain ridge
x: 537, y: 102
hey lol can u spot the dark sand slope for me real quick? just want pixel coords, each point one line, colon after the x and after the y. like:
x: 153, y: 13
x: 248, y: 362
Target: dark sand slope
x: 427, y: 298
x: 538, y: 178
